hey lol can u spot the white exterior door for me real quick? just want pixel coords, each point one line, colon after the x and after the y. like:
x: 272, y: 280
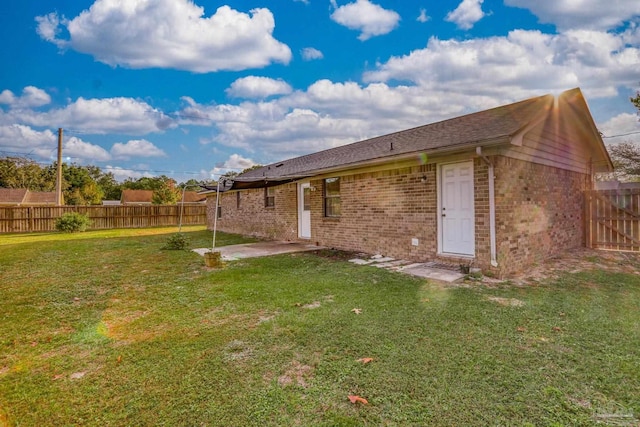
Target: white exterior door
x: 304, y: 211
x: 456, y: 209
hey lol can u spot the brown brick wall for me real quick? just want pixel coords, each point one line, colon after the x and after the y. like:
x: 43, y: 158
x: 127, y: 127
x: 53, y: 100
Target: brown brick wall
x: 279, y: 222
x: 381, y: 213
x: 539, y: 212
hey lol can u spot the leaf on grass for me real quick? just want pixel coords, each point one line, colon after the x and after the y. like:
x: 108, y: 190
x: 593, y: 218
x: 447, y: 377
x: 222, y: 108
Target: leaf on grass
x: 58, y: 376
x: 34, y: 343
x: 356, y: 310
x: 365, y: 360
x: 557, y: 328
x: 119, y: 359
x: 356, y: 399
x: 77, y: 375
x: 521, y: 329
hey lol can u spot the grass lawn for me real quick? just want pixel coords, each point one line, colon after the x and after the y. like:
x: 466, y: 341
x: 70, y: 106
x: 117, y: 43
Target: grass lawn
x: 105, y: 328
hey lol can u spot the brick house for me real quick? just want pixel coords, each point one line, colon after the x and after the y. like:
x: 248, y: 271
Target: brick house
x: 499, y: 189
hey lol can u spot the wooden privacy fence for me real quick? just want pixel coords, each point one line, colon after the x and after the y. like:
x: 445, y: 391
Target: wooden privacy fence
x: 613, y: 219
x: 43, y: 218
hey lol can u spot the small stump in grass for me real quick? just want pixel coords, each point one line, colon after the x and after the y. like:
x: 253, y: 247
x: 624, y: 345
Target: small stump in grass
x: 213, y: 259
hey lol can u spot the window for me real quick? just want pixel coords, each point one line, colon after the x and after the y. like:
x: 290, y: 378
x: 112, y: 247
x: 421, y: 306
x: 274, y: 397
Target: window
x: 332, y: 197
x: 238, y: 200
x: 219, y: 211
x: 269, y: 197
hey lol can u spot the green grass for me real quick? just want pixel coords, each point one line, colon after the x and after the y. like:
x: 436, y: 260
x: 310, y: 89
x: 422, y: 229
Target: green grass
x: 105, y: 328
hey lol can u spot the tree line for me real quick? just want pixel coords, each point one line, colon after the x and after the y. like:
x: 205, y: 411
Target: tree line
x: 87, y: 185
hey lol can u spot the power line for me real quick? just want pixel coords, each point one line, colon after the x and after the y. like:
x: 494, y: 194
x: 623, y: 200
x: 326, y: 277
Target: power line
x: 622, y: 134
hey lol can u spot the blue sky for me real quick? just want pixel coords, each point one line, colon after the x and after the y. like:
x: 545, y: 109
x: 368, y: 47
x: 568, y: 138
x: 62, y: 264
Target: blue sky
x: 194, y: 88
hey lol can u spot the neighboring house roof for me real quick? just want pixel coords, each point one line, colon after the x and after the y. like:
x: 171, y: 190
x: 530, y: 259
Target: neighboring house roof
x: 194, y: 197
x: 40, y: 198
x: 500, y: 125
x: 12, y: 196
x: 22, y: 197
x: 136, y: 196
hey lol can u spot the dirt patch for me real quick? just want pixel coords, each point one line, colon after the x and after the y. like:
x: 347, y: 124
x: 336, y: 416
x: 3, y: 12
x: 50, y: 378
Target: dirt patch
x: 296, y: 374
x: 507, y: 302
x: 338, y: 255
x: 574, y: 261
x: 237, y: 350
x: 312, y: 306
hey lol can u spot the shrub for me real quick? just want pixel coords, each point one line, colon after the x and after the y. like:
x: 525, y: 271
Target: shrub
x: 72, y: 222
x: 176, y: 242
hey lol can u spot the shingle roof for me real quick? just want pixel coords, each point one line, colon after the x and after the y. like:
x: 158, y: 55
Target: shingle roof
x: 40, y: 198
x: 488, y: 125
x: 22, y: 196
x: 136, y: 196
x: 193, y: 197
x: 12, y: 196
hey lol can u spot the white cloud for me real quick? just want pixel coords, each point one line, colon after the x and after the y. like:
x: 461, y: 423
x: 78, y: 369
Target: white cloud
x: 368, y: 18
x: 121, y: 174
x: 136, y: 148
x: 326, y: 115
x: 97, y: 116
x: 79, y: 149
x: 310, y: 53
x: 589, y: 14
x: 23, y: 139
x: 466, y: 14
x: 445, y: 79
x: 31, y: 97
x: 43, y: 144
x: 49, y: 28
x: 169, y: 34
x: 235, y: 163
x: 626, y: 125
x: 523, y: 64
x: 257, y: 87
x: 423, y: 17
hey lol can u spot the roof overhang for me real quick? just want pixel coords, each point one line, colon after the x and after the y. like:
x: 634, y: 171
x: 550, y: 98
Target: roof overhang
x: 245, y: 183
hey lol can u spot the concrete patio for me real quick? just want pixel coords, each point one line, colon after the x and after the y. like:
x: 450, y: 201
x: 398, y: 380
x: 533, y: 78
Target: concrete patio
x: 428, y: 270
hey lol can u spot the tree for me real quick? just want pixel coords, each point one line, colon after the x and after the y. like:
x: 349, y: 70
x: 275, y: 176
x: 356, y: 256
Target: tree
x: 20, y: 172
x: 191, y: 184
x: 78, y: 186
x: 166, y: 193
x: 626, y: 159
x: 111, y: 189
x: 636, y: 101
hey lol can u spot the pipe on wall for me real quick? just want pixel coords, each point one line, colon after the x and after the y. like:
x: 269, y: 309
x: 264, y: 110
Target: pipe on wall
x: 492, y: 208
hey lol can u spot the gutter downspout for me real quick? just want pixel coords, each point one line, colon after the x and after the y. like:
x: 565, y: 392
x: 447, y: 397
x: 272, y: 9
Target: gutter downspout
x: 492, y: 208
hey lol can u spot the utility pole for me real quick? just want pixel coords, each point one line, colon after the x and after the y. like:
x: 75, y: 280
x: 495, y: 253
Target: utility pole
x: 59, y: 170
